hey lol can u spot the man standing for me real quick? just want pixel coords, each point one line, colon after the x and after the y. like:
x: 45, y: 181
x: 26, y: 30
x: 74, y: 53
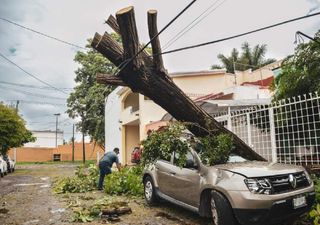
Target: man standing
x: 105, y: 165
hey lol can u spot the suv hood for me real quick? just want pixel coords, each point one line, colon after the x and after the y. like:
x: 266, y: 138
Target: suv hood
x: 260, y: 169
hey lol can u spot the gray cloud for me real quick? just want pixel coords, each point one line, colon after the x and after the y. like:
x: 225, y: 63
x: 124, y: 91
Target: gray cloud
x: 315, y: 5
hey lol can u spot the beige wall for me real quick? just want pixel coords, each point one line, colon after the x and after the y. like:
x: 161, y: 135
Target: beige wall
x: 28, y: 154
x: 262, y: 73
x: 132, y: 99
x: 132, y: 139
x: 204, y: 84
x: 149, y: 112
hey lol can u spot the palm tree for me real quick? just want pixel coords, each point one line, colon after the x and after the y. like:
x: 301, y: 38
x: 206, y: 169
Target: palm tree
x: 250, y: 58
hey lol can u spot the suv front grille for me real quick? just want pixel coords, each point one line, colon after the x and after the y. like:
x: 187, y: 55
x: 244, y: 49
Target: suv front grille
x: 281, y: 183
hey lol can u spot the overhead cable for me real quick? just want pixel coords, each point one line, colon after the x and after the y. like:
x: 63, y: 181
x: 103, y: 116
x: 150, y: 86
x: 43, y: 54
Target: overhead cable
x: 40, y: 33
x: 193, y: 23
x: 238, y: 35
x: 30, y: 93
x: 31, y: 86
x: 31, y: 75
x: 163, y: 29
x: 36, y: 102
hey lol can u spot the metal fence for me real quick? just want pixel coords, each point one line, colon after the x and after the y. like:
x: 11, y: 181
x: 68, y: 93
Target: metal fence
x: 287, y: 131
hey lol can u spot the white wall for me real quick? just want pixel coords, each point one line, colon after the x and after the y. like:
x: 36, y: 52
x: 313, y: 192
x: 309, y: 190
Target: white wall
x: 112, y: 125
x: 248, y: 92
x: 46, y: 139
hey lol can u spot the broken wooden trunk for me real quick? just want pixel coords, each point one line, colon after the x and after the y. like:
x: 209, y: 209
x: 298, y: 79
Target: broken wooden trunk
x: 147, y: 75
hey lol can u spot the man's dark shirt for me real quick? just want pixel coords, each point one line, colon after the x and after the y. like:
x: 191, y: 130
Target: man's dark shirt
x: 109, y: 158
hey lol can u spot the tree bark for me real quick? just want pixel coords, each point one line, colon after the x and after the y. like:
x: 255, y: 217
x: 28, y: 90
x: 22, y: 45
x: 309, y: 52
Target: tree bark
x: 110, y: 80
x: 112, y: 22
x: 154, y: 82
x: 155, y: 43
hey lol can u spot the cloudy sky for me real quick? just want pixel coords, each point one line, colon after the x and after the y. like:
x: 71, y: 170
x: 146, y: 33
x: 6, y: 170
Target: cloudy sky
x: 74, y: 21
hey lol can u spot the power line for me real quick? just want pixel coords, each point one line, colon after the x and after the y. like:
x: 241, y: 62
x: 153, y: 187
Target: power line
x: 43, y: 34
x: 37, y: 102
x: 31, y: 75
x: 32, y: 94
x: 163, y: 29
x: 299, y: 33
x: 238, y: 35
x: 193, y: 23
x: 31, y: 86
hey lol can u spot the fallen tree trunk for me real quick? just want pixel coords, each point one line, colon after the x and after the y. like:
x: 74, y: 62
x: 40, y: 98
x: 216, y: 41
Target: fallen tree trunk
x: 152, y: 80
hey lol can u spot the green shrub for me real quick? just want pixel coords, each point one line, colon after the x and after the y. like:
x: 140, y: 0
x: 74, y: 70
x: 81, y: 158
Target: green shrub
x: 315, y: 214
x: 161, y: 144
x: 215, y: 149
x: 126, y: 182
x: 85, y: 179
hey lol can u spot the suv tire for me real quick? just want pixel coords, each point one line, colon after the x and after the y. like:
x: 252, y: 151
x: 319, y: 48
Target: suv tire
x: 221, y: 210
x: 149, y: 191
x: 1, y: 174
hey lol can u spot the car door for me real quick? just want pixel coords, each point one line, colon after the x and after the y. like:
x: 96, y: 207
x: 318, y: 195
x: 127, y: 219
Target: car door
x: 185, y: 182
x: 164, y: 174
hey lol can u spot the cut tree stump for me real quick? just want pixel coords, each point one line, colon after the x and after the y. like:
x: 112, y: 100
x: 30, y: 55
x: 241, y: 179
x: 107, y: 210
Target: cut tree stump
x: 148, y: 76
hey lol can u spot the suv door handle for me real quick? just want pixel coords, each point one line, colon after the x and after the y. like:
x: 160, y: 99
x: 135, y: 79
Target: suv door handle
x: 173, y: 173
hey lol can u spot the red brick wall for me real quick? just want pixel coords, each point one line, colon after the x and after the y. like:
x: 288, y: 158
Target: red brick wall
x: 46, y: 154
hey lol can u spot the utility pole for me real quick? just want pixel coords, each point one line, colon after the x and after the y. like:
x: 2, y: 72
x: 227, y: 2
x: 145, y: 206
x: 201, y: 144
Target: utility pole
x: 72, y: 142
x: 83, y: 148
x: 57, y: 115
x: 83, y: 144
x: 17, y: 106
x: 234, y: 71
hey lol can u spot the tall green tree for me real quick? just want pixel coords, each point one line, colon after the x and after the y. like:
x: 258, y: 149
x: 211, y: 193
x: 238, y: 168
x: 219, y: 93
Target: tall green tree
x: 300, y: 73
x: 249, y: 58
x: 86, y: 102
x: 13, y: 132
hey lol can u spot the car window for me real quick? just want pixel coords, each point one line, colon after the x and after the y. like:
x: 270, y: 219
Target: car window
x: 176, y: 157
x: 236, y: 158
x: 167, y: 158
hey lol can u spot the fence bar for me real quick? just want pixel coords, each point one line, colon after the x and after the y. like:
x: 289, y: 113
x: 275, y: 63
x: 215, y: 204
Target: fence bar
x: 249, y: 130
x: 273, y: 136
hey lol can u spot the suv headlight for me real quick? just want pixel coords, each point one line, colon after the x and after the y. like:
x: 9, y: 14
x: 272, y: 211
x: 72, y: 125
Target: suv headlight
x: 259, y: 186
x: 308, y: 177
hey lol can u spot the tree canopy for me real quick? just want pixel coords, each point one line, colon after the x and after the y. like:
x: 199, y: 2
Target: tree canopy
x: 87, y: 99
x: 13, y: 132
x: 300, y: 73
x: 249, y: 58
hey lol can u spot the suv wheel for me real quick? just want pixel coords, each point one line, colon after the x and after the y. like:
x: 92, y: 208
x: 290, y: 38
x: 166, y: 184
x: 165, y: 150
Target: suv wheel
x: 1, y: 173
x: 221, y: 210
x: 149, y: 191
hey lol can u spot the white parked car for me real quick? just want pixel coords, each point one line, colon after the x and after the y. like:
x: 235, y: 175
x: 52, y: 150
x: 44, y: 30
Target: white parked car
x: 10, y: 163
x: 3, y: 167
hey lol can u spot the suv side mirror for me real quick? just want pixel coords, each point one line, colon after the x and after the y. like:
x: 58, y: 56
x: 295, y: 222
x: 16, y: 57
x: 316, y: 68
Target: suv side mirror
x: 191, y: 164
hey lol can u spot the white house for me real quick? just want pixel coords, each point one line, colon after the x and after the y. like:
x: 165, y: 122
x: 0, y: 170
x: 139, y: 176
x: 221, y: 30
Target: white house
x: 112, y: 121
x: 46, y: 139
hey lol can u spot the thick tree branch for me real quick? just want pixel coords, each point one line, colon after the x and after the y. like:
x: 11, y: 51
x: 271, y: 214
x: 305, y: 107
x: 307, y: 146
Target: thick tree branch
x: 112, y: 22
x: 108, y: 47
x: 160, y: 88
x: 156, y: 47
x: 110, y: 80
x: 129, y: 35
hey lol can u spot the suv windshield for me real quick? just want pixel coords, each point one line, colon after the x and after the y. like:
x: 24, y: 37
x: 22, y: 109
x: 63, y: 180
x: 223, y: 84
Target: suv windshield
x: 236, y: 158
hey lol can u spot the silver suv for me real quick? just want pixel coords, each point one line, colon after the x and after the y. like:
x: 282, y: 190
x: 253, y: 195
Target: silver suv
x: 240, y: 191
